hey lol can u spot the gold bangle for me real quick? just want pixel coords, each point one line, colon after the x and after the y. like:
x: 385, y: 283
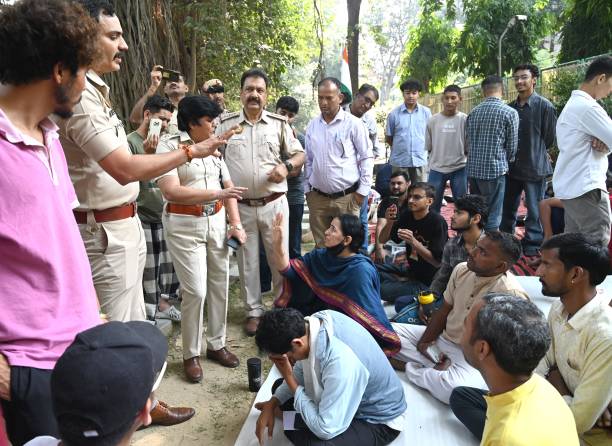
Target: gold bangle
x: 187, y: 150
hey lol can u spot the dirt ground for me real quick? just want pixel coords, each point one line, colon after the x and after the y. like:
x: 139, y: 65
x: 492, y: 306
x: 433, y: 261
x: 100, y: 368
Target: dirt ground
x: 222, y: 400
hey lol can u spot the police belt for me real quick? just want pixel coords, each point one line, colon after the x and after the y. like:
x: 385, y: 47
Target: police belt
x: 105, y: 215
x: 197, y: 210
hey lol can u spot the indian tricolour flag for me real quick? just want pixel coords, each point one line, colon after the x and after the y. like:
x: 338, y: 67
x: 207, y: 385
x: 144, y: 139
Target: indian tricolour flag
x: 345, y: 74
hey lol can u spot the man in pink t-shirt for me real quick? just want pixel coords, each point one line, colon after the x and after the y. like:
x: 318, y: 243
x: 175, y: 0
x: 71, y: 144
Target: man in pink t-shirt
x: 46, y: 291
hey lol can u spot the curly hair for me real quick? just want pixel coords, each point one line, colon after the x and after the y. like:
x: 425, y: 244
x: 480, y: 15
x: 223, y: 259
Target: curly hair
x: 474, y: 205
x: 36, y: 35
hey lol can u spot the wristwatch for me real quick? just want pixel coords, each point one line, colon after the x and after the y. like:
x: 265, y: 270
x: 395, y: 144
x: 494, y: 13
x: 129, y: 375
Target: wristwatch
x: 288, y: 165
x: 238, y: 227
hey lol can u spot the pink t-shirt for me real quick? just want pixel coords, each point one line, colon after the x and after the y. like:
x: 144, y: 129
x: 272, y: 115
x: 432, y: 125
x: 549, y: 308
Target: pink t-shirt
x: 46, y: 290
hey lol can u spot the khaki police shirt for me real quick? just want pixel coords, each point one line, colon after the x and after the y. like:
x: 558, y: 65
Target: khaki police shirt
x: 92, y: 133
x: 200, y: 173
x: 173, y: 124
x: 250, y: 155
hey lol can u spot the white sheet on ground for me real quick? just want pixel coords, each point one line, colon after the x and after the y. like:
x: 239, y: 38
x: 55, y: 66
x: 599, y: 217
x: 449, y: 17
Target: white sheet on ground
x: 430, y: 422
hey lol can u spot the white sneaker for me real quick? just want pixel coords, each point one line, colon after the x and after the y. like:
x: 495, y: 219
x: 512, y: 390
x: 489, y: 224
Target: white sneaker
x: 170, y: 313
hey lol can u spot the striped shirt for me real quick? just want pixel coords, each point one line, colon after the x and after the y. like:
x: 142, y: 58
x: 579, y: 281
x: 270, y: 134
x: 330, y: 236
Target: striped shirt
x: 492, y: 138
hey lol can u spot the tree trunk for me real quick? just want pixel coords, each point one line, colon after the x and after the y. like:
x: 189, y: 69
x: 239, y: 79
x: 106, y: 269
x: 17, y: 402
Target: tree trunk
x: 352, y: 42
x: 147, y: 27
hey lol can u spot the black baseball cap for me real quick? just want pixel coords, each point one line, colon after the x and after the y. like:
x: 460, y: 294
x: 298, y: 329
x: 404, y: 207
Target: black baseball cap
x: 103, y: 380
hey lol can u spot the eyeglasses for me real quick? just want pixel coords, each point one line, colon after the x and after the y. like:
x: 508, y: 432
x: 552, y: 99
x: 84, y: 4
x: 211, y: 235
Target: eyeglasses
x: 523, y: 77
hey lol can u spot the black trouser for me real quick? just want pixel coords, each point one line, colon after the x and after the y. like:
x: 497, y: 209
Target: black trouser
x: 359, y: 432
x: 470, y: 407
x: 29, y: 414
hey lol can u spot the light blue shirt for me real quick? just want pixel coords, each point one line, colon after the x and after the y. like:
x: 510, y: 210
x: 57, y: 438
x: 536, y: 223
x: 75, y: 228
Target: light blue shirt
x: 408, y: 132
x: 356, y: 377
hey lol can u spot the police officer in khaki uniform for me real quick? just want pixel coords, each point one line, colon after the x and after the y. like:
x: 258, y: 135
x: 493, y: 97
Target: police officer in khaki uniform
x: 103, y: 171
x: 197, y: 196
x: 253, y: 158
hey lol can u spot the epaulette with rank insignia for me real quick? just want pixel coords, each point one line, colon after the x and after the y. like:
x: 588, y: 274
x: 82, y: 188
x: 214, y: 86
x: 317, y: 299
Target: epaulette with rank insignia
x: 277, y: 116
x: 226, y: 116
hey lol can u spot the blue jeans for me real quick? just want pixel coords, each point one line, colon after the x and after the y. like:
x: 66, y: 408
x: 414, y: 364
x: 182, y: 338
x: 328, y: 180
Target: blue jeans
x: 534, y: 193
x: 493, y: 191
x: 363, y: 216
x: 458, y: 183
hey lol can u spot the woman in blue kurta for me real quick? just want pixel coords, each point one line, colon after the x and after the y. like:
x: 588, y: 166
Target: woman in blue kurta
x: 336, y: 277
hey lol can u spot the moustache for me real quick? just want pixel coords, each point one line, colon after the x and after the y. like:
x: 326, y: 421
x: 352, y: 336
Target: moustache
x: 253, y: 100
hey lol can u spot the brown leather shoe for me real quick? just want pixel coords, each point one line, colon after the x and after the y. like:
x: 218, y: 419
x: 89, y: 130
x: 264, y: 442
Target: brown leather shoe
x: 224, y: 357
x: 192, y: 368
x: 251, y: 325
x: 165, y: 415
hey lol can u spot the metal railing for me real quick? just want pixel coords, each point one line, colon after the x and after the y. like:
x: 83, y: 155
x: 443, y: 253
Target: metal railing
x: 472, y: 95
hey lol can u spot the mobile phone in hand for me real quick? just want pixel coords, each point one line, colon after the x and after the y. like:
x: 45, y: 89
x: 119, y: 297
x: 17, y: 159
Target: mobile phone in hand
x: 233, y: 243
x: 170, y: 75
x: 155, y: 125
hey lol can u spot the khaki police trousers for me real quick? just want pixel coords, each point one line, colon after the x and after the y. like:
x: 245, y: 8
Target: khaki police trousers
x: 201, y: 261
x: 117, y: 252
x: 322, y: 210
x: 257, y: 222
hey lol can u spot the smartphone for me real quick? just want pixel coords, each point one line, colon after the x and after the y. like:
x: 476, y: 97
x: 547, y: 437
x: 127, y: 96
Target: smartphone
x: 393, y: 199
x: 233, y: 243
x: 170, y: 75
x: 155, y: 125
x: 434, y: 352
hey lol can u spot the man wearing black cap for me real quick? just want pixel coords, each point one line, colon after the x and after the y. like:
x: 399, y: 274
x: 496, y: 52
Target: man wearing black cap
x: 102, y: 385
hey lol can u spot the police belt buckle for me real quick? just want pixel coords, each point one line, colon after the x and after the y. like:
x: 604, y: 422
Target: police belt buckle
x: 209, y: 209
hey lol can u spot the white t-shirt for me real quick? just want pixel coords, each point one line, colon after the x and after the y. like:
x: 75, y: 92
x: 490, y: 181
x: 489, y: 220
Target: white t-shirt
x: 43, y: 441
x: 580, y: 168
